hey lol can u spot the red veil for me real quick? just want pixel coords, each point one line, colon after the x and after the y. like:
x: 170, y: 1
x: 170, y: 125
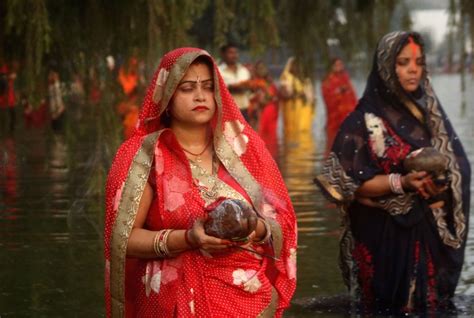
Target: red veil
x: 194, y: 283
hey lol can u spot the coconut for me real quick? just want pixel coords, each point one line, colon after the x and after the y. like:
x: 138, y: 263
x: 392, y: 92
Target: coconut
x: 232, y: 220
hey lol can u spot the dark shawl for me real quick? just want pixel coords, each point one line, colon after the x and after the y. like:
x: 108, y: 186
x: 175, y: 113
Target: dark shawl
x: 385, y: 242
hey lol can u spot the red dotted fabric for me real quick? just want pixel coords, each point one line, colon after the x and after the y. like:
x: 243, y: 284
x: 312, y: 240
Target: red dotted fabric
x: 230, y: 284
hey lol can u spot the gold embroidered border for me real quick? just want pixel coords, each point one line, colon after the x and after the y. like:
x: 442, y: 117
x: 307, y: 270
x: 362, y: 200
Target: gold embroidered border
x: 270, y: 310
x: 223, y: 189
x: 126, y: 213
x: 277, y: 236
x: 237, y: 170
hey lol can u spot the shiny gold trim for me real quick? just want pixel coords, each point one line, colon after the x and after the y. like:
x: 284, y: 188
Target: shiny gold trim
x: 270, y: 310
x: 237, y: 170
x: 328, y: 189
x: 222, y: 189
x: 126, y: 214
x: 277, y: 236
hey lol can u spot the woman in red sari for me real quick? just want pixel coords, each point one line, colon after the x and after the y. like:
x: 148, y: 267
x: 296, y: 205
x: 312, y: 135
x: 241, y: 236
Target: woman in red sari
x: 191, y: 148
x: 265, y: 99
x: 339, y: 97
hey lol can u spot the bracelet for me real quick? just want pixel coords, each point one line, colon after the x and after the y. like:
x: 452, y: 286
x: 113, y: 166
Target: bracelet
x: 160, y: 243
x: 395, y: 182
x: 268, y: 233
x: 156, y: 241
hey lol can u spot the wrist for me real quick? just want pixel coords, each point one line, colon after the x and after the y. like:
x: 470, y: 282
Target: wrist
x: 264, y: 230
x: 189, y: 239
x: 403, y: 181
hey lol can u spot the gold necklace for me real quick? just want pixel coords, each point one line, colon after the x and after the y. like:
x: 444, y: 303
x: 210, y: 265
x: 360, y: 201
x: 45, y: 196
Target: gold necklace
x: 197, y: 155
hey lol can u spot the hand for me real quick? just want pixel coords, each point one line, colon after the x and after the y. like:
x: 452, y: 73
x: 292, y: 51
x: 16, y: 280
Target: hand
x: 422, y: 183
x: 433, y: 189
x: 200, y: 239
x: 247, y: 243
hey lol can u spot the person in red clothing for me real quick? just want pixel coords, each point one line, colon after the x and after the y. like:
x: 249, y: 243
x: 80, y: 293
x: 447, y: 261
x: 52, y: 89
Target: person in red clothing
x: 7, y: 94
x: 265, y: 101
x: 339, y: 97
x: 192, y: 148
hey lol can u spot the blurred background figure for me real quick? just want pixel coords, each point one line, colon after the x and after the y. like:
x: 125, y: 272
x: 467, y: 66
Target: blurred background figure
x: 7, y: 96
x: 298, y: 101
x: 236, y: 77
x: 128, y: 107
x: 265, y: 105
x: 339, y: 97
x: 56, y: 104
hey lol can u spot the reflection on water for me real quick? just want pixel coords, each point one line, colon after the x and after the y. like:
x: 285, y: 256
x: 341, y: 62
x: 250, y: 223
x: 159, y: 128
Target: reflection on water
x: 51, y: 217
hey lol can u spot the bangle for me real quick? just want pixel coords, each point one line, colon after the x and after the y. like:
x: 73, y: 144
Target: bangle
x: 160, y: 243
x: 395, y: 182
x: 268, y: 233
x: 156, y: 241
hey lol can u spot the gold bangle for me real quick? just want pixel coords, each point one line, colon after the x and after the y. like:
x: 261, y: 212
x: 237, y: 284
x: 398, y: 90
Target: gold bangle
x: 156, y: 243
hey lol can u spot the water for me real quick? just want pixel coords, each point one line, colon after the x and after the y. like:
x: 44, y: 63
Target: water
x: 51, y: 215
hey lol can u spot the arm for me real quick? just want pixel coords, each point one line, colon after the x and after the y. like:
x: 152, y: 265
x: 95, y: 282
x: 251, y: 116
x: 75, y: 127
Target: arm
x: 239, y: 87
x: 414, y: 181
x: 140, y: 243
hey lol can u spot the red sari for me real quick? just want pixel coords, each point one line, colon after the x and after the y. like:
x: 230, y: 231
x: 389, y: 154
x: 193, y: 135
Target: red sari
x: 340, y: 100
x: 195, y: 283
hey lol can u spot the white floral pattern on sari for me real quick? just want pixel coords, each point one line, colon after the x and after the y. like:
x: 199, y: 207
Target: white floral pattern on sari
x: 118, y: 196
x: 174, y: 190
x: 159, y: 163
x: 152, y: 277
x: 291, y: 264
x: 160, y: 83
x: 234, y: 136
x: 247, y: 278
x: 158, y: 273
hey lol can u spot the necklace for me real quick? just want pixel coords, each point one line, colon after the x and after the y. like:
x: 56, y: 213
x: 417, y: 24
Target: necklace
x: 198, y: 155
x: 210, y: 191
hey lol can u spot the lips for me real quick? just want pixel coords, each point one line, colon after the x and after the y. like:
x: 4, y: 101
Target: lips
x: 200, y: 108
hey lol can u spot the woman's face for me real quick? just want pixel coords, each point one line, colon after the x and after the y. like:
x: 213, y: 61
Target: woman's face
x: 261, y: 70
x: 338, y: 66
x: 409, y: 67
x: 193, y: 101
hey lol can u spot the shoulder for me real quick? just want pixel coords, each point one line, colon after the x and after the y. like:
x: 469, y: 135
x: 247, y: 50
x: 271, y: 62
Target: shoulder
x: 243, y: 71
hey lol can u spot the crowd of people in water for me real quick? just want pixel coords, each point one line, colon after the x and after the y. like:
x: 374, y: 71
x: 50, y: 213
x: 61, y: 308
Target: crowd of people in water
x: 262, y: 98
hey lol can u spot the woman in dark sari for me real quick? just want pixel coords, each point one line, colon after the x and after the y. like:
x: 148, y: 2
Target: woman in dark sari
x: 403, y: 239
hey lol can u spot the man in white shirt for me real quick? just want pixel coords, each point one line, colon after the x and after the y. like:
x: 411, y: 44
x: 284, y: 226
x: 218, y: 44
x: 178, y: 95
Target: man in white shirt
x: 236, y: 77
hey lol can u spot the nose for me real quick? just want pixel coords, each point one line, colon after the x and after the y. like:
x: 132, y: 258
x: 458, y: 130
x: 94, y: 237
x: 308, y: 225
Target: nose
x: 412, y: 66
x: 199, y: 94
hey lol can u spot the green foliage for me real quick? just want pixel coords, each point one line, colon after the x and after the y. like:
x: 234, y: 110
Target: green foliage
x: 82, y: 33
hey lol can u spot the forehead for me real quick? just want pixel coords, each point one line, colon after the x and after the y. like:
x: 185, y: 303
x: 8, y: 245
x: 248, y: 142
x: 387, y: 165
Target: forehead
x: 409, y: 49
x: 231, y: 50
x: 195, y: 70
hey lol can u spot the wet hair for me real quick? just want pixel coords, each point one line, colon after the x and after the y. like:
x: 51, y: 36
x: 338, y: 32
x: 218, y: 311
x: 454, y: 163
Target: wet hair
x: 228, y: 46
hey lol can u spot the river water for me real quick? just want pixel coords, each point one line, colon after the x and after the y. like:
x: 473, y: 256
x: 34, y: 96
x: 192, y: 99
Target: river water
x: 51, y: 214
